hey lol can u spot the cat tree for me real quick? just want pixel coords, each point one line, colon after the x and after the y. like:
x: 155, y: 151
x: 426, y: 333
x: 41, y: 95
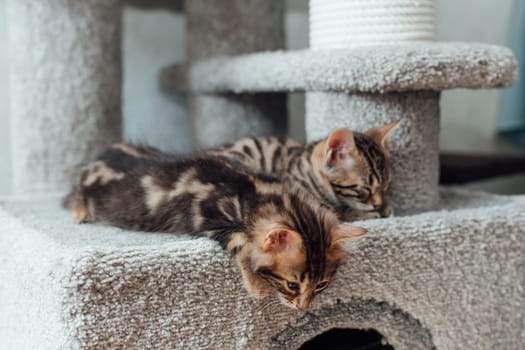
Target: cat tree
x: 451, y: 276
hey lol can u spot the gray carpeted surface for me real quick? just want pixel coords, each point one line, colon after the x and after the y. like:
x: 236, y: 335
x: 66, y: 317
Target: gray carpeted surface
x: 444, y: 279
x: 406, y: 67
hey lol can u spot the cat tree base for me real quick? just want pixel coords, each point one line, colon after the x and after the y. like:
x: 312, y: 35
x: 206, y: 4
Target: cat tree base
x: 448, y: 279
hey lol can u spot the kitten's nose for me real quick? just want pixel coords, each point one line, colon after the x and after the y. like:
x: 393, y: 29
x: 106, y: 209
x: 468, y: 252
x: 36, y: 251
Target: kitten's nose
x: 376, y: 201
x: 376, y: 204
x: 303, y: 303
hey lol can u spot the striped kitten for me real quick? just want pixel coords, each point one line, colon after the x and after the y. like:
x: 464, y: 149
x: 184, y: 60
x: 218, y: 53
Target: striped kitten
x: 284, y: 241
x: 348, y: 171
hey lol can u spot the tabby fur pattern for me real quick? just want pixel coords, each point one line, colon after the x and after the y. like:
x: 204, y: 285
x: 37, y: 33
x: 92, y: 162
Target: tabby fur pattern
x: 284, y: 240
x: 350, y: 172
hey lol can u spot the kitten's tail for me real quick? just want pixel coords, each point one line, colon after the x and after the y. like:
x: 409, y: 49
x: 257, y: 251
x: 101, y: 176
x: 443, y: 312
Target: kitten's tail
x: 74, y: 201
x: 69, y: 200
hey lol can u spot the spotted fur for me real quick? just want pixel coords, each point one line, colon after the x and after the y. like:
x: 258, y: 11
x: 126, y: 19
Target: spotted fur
x: 284, y: 241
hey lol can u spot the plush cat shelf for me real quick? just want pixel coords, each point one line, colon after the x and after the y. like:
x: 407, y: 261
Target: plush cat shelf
x: 450, y: 277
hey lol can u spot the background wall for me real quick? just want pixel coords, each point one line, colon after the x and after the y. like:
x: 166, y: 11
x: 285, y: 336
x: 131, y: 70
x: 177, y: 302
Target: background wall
x: 152, y: 40
x: 469, y: 116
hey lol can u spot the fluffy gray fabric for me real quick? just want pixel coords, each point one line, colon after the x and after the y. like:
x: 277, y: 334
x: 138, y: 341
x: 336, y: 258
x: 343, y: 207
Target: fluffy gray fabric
x: 64, y: 87
x: 222, y: 118
x: 407, y: 67
x: 232, y: 27
x: 443, y: 279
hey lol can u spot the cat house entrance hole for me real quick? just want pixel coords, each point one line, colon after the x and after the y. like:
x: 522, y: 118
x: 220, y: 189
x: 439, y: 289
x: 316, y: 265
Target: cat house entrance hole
x: 347, y: 339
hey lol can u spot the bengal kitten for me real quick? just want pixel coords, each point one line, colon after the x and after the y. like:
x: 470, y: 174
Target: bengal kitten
x: 285, y: 242
x: 348, y: 171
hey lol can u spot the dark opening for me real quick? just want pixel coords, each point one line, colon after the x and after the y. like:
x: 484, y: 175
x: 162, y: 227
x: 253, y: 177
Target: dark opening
x: 347, y: 339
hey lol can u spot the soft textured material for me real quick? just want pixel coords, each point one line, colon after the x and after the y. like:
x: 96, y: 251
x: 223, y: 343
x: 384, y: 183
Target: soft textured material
x: 64, y: 87
x: 347, y: 23
x: 449, y: 279
x: 404, y: 67
x: 231, y: 27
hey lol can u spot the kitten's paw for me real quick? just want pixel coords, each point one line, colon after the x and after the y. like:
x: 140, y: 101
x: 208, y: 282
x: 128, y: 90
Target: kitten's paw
x: 80, y: 213
x: 356, y: 215
x: 387, y: 211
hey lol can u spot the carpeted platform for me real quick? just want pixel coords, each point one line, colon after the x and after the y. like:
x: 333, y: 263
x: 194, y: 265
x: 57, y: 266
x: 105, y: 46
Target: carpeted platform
x: 447, y: 279
x: 387, y: 68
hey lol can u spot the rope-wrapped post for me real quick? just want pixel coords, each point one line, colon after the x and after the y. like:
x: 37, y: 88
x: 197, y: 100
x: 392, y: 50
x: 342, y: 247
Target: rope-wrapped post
x: 64, y: 87
x: 231, y: 27
x: 414, y: 145
x: 347, y: 23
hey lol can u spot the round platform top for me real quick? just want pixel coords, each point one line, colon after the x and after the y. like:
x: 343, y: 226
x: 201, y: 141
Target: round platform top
x: 388, y: 68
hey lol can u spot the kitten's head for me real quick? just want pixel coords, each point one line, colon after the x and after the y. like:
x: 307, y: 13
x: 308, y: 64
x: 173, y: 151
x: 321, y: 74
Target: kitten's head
x: 357, y: 166
x: 298, y: 247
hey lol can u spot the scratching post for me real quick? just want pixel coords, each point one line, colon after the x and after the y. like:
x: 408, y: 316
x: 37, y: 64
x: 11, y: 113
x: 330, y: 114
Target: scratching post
x: 64, y: 87
x: 353, y: 23
x: 347, y: 23
x: 227, y: 28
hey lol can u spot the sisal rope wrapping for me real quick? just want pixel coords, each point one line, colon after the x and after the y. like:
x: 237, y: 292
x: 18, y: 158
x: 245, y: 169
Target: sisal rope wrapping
x: 348, y: 23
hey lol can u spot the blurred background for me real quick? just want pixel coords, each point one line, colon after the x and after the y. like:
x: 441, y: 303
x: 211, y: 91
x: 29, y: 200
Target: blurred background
x: 154, y: 37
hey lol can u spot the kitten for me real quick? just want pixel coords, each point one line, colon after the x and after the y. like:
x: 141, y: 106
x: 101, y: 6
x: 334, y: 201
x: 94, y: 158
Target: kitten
x: 284, y: 241
x: 348, y: 171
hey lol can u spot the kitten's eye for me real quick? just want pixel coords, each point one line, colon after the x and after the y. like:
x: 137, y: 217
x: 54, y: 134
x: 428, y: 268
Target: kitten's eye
x: 322, y: 285
x: 293, y: 286
x: 365, y: 193
x: 264, y: 272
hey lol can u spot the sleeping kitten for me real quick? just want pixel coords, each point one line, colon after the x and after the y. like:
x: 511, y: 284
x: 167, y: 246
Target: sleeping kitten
x: 284, y: 241
x: 348, y: 171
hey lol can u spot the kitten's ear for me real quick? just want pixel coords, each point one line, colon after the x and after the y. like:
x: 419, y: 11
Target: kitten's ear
x: 380, y: 135
x: 344, y: 233
x: 339, y: 146
x: 280, y: 239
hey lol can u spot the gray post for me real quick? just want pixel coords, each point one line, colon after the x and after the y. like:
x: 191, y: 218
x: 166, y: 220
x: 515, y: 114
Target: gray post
x: 414, y: 145
x: 231, y: 27
x: 64, y: 87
